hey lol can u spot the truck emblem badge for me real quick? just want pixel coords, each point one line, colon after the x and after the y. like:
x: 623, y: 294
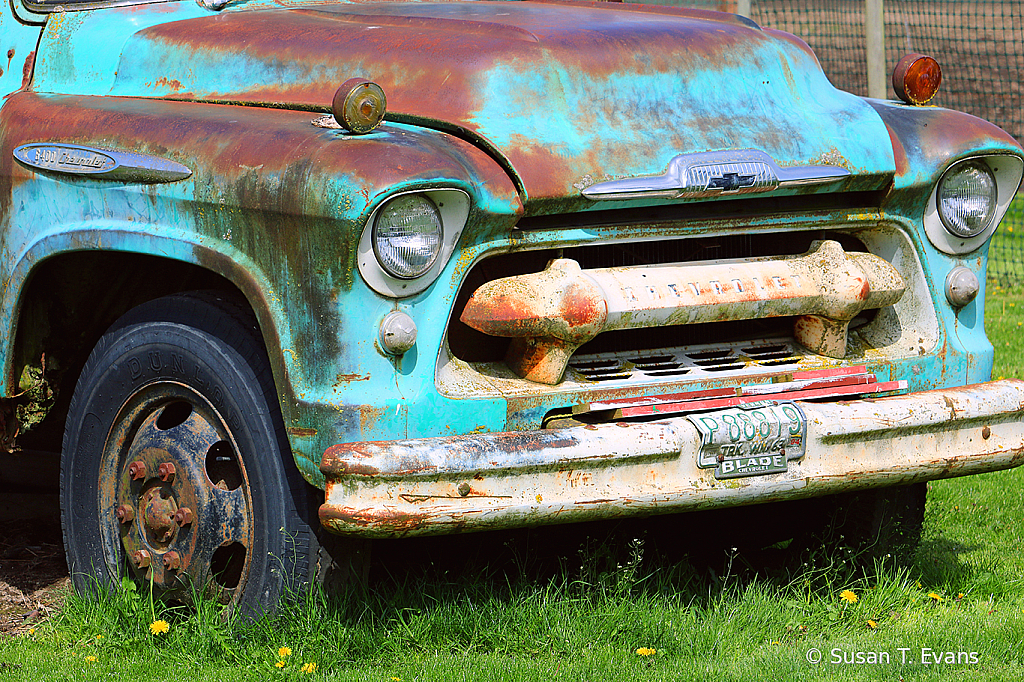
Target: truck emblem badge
x: 730, y: 182
x: 710, y: 174
x: 98, y: 163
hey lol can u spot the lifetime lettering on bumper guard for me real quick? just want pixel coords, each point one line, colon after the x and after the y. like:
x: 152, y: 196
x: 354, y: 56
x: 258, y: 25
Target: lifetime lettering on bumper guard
x: 480, y: 481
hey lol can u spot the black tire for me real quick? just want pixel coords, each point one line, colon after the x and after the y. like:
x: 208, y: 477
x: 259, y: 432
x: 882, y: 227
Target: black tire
x: 184, y: 380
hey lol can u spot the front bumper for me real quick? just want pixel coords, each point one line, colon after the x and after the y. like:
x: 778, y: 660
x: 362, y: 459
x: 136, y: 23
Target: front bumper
x: 500, y: 480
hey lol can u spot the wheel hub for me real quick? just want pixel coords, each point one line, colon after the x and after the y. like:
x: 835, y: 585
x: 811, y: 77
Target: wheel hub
x: 177, y: 527
x: 158, y: 507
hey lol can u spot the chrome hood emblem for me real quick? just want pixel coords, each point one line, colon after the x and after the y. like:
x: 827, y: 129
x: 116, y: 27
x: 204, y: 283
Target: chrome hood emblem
x: 710, y: 174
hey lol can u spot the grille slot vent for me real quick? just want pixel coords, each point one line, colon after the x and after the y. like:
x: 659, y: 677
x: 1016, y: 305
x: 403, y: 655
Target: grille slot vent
x: 716, y: 360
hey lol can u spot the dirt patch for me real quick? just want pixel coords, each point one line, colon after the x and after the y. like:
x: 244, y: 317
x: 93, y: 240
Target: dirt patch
x: 33, y: 573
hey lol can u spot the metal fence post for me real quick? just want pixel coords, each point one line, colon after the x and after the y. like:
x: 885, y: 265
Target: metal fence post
x: 874, y: 34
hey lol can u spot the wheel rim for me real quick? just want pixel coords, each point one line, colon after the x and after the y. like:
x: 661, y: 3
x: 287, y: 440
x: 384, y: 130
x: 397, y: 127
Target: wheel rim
x: 175, y: 502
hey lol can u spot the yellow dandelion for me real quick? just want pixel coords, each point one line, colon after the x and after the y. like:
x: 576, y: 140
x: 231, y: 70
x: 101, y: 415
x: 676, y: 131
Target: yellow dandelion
x: 311, y: 668
x: 540, y: 498
x: 872, y: 624
x: 960, y: 596
x: 934, y: 596
x: 644, y: 651
x: 848, y: 596
x: 775, y: 642
x: 31, y: 631
x: 99, y: 636
x: 396, y: 679
x: 284, y: 652
x: 279, y: 664
x: 919, y: 582
x: 90, y: 659
x: 159, y: 627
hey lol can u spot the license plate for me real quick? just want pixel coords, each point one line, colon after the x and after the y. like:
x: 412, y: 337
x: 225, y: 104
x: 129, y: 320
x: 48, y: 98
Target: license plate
x: 755, y: 439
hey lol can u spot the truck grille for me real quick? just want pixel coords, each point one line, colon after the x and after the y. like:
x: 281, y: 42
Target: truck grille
x: 657, y: 351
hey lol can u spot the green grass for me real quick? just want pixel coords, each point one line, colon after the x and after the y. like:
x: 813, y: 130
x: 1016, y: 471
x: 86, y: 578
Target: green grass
x: 1004, y: 324
x: 514, y: 613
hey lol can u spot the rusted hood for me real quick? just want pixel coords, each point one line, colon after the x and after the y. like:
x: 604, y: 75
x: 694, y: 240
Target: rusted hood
x: 568, y: 93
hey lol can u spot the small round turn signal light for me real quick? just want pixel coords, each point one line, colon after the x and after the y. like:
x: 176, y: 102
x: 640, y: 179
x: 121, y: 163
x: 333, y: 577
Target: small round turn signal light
x: 359, y: 105
x: 916, y: 78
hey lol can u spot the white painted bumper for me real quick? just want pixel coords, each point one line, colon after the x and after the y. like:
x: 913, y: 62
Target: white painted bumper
x: 482, y: 481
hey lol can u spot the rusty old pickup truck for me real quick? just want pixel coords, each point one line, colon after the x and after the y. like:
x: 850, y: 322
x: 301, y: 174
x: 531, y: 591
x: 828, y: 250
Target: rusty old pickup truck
x: 278, y: 267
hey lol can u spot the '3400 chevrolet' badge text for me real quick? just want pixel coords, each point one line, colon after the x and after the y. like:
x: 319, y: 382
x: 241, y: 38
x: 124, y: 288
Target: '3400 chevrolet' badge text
x: 103, y: 164
x: 65, y: 159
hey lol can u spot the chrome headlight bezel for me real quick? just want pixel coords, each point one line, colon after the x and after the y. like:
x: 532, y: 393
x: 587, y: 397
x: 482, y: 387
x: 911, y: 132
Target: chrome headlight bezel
x: 1006, y: 169
x: 453, y: 209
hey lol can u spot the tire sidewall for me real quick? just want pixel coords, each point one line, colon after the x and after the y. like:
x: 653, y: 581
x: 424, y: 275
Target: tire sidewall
x: 210, y: 358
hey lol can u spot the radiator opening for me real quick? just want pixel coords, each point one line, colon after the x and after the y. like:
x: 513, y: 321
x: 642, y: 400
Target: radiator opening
x: 473, y: 346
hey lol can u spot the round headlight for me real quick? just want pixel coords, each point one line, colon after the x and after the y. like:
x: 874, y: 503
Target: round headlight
x: 966, y: 199
x: 407, y: 236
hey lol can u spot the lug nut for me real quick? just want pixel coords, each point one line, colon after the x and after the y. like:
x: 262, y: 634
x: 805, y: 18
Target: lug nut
x: 125, y: 514
x: 172, y: 561
x: 166, y: 472
x: 140, y: 558
x: 137, y: 470
x: 183, y: 516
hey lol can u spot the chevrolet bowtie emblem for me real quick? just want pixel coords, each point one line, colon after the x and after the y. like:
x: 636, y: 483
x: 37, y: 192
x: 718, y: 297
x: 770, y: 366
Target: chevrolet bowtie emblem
x: 730, y: 182
x: 709, y: 174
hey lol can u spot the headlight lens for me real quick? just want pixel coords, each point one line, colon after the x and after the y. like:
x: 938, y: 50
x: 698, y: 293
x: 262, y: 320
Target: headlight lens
x: 966, y: 199
x: 407, y: 235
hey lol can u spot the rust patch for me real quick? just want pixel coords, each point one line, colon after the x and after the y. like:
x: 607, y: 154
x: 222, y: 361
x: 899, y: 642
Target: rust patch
x: 26, y: 70
x: 369, y: 415
x: 300, y: 432
x: 172, y: 84
x: 346, y: 378
x: 386, y: 520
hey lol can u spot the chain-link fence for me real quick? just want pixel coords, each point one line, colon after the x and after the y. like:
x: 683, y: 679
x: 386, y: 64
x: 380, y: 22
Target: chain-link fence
x: 978, y: 43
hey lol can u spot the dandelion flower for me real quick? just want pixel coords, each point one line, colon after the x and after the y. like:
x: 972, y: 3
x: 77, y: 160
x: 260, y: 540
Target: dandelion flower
x: 848, y: 596
x: 279, y: 664
x: 960, y: 596
x: 644, y: 651
x: 99, y: 636
x: 919, y: 582
x: 935, y: 596
x: 311, y: 668
x: 31, y: 631
x: 159, y: 627
x: 90, y: 659
x: 396, y: 679
x: 872, y: 624
x: 284, y: 652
